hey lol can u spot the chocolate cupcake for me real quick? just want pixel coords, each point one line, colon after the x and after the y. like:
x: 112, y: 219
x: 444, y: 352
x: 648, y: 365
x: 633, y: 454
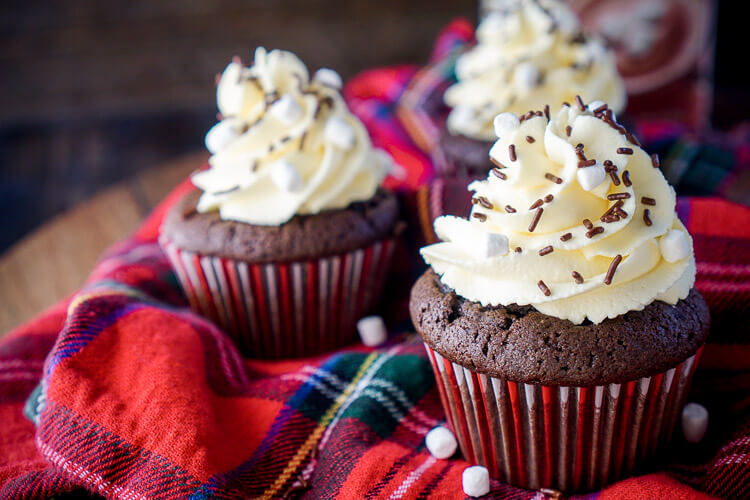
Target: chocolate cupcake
x: 287, y: 241
x: 528, y: 55
x: 560, y: 318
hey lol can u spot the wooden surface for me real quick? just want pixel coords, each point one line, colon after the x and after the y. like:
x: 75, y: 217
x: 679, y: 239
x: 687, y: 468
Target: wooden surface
x: 54, y: 260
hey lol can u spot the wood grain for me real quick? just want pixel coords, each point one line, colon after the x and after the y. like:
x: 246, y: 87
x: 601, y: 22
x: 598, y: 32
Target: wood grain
x: 54, y: 261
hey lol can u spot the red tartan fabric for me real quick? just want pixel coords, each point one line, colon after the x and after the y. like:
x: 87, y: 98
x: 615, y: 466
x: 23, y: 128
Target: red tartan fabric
x: 134, y: 396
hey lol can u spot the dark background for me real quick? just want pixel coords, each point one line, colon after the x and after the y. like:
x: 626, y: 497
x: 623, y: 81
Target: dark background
x: 95, y: 90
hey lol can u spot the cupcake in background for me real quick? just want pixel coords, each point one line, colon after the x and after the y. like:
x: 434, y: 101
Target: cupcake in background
x: 287, y: 240
x: 560, y: 318
x: 529, y: 54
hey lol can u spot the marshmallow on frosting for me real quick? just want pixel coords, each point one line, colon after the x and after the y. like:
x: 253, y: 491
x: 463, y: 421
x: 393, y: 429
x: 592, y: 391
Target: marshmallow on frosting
x: 286, y: 144
x: 530, y: 54
x: 584, y: 246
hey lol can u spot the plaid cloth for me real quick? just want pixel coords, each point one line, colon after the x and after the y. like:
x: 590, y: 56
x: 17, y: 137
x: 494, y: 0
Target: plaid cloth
x: 122, y: 391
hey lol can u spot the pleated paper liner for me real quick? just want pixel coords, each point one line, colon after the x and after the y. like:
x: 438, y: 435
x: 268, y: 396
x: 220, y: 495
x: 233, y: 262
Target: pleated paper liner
x: 566, y: 438
x: 281, y: 310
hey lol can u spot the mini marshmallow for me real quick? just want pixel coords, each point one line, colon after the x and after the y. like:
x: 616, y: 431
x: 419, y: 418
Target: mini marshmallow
x: 674, y: 246
x: 505, y: 124
x: 494, y: 244
x: 339, y: 133
x: 441, y: 442
x: 476, y: 481
x: 526, y: 75
x: 464, y: 118
x: 329, y: 77
x: 372, y: 330
x: 694, y: 422
x: 285, y: 176
x: 286, y: 110
x: 391, y: 167
x: 590, y: 177
x: 594, y: 104
x: 220, y: 135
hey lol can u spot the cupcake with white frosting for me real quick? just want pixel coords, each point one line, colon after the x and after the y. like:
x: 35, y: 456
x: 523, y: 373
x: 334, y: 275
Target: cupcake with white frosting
x: 560, y: 317
x: 530, y: 54
x: 287, y: 239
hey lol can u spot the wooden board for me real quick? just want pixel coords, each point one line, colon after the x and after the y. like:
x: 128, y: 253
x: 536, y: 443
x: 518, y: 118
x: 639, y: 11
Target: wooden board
x: 55, y: 260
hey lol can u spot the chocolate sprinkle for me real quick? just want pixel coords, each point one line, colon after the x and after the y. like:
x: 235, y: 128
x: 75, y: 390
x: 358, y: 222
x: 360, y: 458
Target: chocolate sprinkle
x: 580, y: 103
x: 535, y: 220
x: 485, y: 203
x: 633, y: 139
x: 546, y: 111
x: 510, y: 209
x: 655, y: 160
x: 648, y: 201
x: 548, y: 198
x: 586, y: 163
x: 618, y: 196
x: 577, y: 276
x: 518, y: 250
x: 499, y: 174
x: 568, y: 130
x: 607, y: 163
x: 302, y: 140
x: 553, y: 178
x: 626, y: 179
x: 538, y: 203
x: 600, y: 109
x: 566, y: 237
x: 496, y: 163
x: 594, y: 232
x: 479, y: 217
x: 530, y: 139
x: 546, y: 250
x: 544, y: 288
x: 646, y: 218
x: 587, y: 223
x: 612, y: 268
x: 512, y: 152
x: 625, y: 151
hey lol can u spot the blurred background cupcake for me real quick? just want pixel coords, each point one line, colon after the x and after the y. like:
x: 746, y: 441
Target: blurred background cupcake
x: 561, y: 318
x: 528, y: 53
x: 288, y: 239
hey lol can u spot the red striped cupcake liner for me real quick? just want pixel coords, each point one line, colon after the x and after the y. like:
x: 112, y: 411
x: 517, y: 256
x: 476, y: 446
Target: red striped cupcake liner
x: 566, y: 438
x: 281, y: 310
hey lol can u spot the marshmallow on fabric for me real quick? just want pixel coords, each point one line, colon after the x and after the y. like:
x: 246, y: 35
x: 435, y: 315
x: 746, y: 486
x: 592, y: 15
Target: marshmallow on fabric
x: 441, y: 442
x: 372, y: 330
x: 339, y: 133
x: 694, y: 422
x: 329, y: 77
x: 285, y: 176
x: 476, y: 481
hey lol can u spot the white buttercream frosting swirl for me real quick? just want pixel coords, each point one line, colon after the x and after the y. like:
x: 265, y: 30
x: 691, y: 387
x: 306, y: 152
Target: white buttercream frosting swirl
x: 530, y: 54
x: 500, y: 257
x: 286, y: 144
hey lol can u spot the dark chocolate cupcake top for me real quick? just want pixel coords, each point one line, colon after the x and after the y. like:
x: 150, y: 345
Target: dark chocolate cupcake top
x: 521, y: 344
x: 303, y: 237
x: 574, y: 219
x: 286, y: 144
x: 529, y: 54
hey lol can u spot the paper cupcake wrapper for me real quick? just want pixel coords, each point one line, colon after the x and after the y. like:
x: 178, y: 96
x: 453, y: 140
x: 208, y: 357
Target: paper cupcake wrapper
x: 288, y: 309
x: 566, y: 438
